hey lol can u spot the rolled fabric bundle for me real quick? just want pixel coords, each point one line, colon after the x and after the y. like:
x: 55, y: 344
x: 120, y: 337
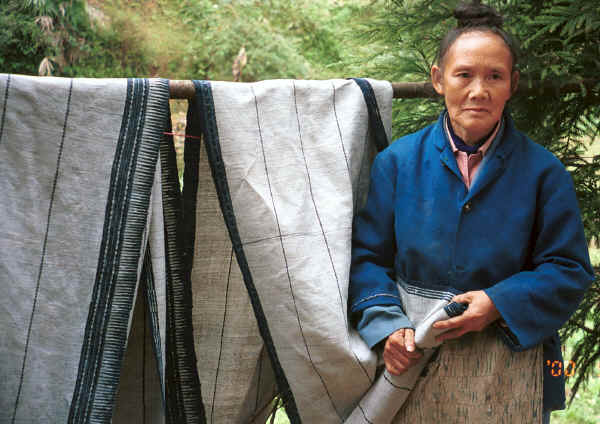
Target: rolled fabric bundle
x: 388, y: 393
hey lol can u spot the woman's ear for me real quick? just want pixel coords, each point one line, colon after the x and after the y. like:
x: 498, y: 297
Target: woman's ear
x: 436, y: 79
x: 514, y: 82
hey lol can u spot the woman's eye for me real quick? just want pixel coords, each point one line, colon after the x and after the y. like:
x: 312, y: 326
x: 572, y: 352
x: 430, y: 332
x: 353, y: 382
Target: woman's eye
x: 463, y: 75
x: 496, y: 76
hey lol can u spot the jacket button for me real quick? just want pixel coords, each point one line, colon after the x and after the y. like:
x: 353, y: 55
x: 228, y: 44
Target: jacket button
x: 467, y: 207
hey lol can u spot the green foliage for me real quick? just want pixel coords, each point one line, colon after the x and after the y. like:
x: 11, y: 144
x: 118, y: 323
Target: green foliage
x: 220, y: 29
x: 282, y: 39
x: 585, y: 407
x: 560, y: 43
x: 59, y: 34
x: 21, y: 39
x: 178, y: 39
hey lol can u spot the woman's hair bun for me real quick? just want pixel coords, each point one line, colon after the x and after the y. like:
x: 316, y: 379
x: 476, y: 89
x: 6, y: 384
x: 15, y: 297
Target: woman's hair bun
x: 476, y: 14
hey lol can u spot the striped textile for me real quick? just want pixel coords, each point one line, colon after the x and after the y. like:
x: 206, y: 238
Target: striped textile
x: 90, y: 206
x: 290, y: 162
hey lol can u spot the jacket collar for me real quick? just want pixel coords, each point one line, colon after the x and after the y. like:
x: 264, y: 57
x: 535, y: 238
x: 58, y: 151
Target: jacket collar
x: 504, y: 146
x: 501, y: 150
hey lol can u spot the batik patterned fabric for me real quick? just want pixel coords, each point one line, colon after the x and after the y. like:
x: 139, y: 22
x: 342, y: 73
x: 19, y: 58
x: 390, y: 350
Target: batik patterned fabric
x: 290, y: 162
x: 90, y: 203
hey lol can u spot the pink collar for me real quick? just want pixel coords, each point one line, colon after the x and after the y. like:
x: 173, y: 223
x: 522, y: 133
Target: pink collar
x: 484, y: 147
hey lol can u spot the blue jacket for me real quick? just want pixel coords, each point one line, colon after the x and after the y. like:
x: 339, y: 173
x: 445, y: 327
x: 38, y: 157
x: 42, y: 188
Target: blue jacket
x: 517, y: 234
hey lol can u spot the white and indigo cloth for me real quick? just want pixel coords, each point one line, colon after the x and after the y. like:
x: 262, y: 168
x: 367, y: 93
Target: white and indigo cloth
x: 290, y: 162
x: 89, y: 207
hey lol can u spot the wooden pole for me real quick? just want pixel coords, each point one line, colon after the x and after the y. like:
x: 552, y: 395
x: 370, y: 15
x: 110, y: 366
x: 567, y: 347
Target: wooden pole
x: 184, y: 89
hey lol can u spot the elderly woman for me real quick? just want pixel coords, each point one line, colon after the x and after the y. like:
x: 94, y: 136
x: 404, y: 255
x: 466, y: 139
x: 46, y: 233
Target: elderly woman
x: 470, y: 203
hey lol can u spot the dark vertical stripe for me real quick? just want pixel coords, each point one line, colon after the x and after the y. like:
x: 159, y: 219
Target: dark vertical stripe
x: 206, y: 114
x: 110, y: 252
x: 149, y: 290
x: 81, y: 386
x: 337, y: 280
x: 337, y: 121
x: 375, y: 123
x: 191, y: 157
x: 4, y: 107
x: 126, y: 214
x: 212, y: 411
x: 145, y: 319
x: 44, y: 245
x: 259, y: 381
x: 183, y: 392
x: 151, y: 308
x: 358, y: 193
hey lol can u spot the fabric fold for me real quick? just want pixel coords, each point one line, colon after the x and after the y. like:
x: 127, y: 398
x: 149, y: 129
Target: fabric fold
x: 289, y: 160
x: 89, y: 201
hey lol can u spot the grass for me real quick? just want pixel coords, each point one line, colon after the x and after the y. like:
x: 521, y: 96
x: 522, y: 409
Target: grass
x: 595, y: 256
x: 585, y: 408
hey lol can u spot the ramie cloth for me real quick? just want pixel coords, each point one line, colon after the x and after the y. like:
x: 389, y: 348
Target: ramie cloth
x: 89, y: 207
x: 290, y: 162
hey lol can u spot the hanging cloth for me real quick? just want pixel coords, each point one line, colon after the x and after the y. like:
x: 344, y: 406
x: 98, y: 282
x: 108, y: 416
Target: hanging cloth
x: 89, y: 201
x: 290, y: 162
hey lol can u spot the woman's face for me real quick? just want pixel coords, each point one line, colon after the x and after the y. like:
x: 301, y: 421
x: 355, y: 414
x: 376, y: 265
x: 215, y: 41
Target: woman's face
x: 476, y: 81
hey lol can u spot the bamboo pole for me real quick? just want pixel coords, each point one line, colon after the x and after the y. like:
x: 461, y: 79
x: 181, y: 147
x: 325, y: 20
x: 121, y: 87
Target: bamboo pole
x: 184, y: 89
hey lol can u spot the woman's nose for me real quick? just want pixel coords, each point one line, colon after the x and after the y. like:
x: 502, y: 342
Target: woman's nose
x: 479, y: 89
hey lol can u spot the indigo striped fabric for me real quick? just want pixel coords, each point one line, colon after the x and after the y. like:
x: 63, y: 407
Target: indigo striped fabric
x: 90, y: 205
x: 290, y: 163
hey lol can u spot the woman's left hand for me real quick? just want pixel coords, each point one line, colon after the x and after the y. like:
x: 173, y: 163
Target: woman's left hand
x: 480, y: 313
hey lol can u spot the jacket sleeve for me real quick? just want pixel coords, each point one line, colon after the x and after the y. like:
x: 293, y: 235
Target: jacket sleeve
x: 537, y: 302
x: 378, y: 322
x: 372, y: 279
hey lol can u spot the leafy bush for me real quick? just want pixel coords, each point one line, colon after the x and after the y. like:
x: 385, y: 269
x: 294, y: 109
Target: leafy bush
x: 22, y: 42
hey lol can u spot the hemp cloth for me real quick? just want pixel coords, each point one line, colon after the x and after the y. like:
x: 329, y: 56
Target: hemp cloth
x: 89, y: 204
x: 290, y: 161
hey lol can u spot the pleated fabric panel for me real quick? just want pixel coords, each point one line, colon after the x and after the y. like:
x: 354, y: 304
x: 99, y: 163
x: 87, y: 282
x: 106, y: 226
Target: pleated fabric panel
x: 290, y: 162
x: 238, y: 384
x: 85, y: 229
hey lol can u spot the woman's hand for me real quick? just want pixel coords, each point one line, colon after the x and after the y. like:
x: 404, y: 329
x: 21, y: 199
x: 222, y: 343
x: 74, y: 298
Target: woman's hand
x: 400, y: 353
x: 480, y: 313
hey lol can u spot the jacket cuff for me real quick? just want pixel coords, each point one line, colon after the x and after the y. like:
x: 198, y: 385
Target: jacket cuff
x: 378, y: 322
x: 508, y: 336
x: 377, y: 299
